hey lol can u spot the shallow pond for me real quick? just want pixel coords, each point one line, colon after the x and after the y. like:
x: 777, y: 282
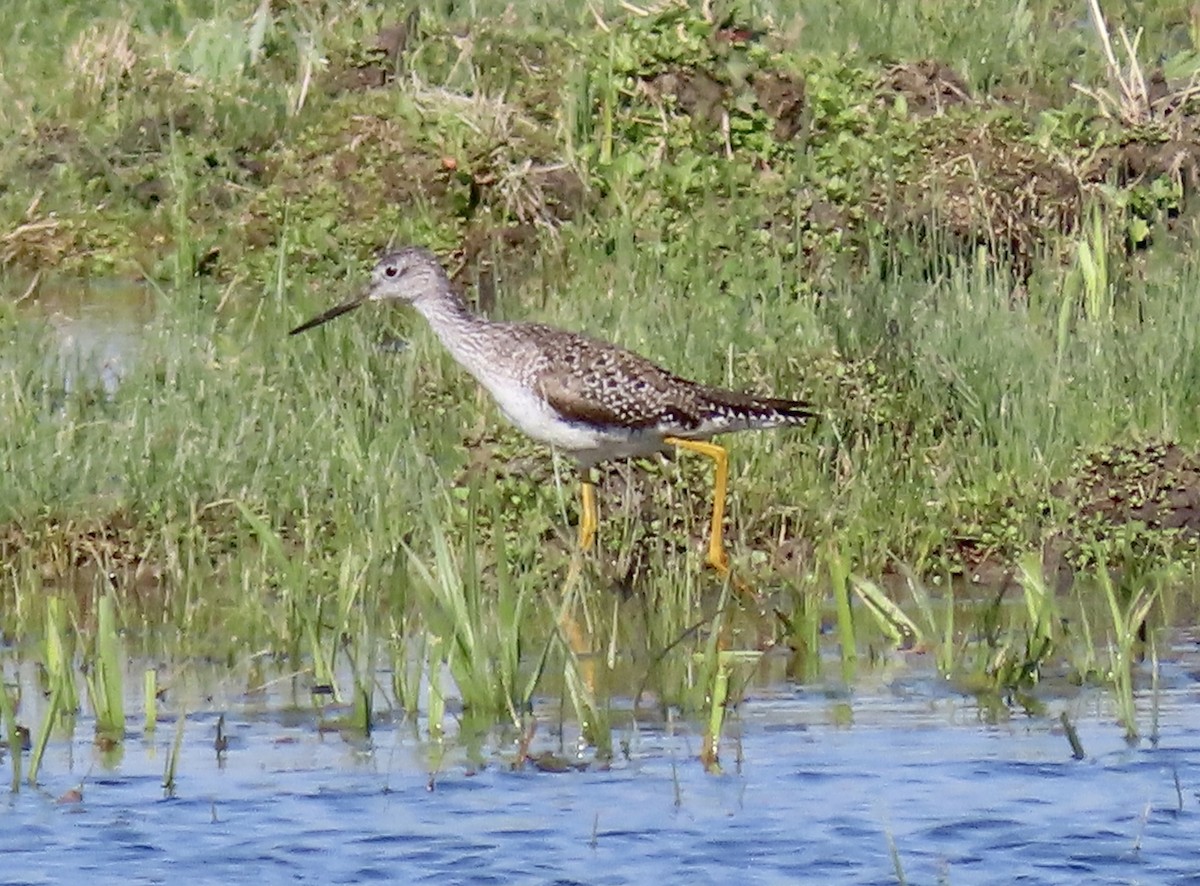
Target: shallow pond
x: 897, y: 778
x: 93, y: 333
x: 819, y: 786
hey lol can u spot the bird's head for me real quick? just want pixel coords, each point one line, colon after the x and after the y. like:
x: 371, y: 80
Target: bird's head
x: 404, y: 275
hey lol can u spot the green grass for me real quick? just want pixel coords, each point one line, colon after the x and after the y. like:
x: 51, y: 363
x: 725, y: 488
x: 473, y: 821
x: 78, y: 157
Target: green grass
x: 12, y: 736
x: 287, y: 487
x: 105, y: 675
x: 341, y: 504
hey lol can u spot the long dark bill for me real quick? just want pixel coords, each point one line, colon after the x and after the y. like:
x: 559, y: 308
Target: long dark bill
x: 336, y: 311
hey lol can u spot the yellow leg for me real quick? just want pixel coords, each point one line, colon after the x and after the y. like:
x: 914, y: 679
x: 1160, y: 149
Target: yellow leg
x: 575, y: 635
x: 587, y: 517
x: 717, y: 558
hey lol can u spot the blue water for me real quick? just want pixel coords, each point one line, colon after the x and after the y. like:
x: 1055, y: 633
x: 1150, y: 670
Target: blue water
x: 823, y: 788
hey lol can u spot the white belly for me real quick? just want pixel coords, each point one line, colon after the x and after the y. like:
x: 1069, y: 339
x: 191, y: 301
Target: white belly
x: 589, y: 445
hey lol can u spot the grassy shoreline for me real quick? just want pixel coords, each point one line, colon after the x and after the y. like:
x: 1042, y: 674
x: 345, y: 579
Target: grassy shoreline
x: 1007, y: 372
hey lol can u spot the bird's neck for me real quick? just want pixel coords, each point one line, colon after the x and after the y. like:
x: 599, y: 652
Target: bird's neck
x: 445, y: 310
x: 452, y: 322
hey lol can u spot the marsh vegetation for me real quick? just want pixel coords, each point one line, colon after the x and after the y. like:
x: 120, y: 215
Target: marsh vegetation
x: 964, y: 232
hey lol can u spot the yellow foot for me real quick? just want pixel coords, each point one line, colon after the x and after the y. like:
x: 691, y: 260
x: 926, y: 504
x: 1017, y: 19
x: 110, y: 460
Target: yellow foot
x: 721, y: 567
x: 717, y: 559
x: 588, y: 519
x: 575, y: 634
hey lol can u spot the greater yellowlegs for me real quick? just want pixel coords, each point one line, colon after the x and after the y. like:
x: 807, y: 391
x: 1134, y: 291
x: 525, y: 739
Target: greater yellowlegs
x: 585, y: 397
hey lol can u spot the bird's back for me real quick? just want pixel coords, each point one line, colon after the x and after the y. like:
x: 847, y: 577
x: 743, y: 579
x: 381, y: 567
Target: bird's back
x: 592, y: 382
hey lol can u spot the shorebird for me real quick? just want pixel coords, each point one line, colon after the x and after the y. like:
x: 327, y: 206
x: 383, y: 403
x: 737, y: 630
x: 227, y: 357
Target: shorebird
x: 587, y: 398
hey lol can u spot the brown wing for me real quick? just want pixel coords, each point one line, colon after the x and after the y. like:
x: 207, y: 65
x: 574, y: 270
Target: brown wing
x: 600, y: 384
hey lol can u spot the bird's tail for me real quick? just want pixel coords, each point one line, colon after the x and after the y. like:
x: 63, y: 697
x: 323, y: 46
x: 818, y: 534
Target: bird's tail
x: 746, y: 411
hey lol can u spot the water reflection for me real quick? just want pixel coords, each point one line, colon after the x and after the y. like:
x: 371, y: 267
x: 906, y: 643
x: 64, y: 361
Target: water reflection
x: 812, y: 800
x: 96, y: 329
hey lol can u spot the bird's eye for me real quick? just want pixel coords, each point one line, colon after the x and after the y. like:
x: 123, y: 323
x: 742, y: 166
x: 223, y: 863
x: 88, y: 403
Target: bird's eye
x: 390, y: 271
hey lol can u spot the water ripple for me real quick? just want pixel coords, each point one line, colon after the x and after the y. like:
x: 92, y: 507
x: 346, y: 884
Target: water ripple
x: 813, y: 801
